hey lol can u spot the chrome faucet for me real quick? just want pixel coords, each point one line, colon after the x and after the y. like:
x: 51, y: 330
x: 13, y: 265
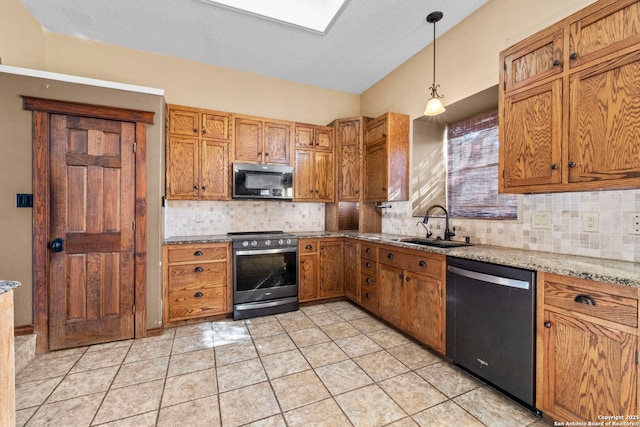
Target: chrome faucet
x: 448, y: 234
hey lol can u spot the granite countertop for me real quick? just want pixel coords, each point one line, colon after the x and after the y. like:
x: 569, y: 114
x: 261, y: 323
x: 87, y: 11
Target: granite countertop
x: 604, y: 270
x: 8, y: 285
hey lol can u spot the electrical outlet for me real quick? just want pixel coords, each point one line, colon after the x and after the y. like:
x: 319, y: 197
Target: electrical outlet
x: 633, y: 223
x: 541, y: 220
x: 590, y: 222
x: 199, y: 216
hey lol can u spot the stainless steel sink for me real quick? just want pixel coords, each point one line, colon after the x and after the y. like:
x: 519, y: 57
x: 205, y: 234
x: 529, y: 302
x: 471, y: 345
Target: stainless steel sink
x: 436, y: 243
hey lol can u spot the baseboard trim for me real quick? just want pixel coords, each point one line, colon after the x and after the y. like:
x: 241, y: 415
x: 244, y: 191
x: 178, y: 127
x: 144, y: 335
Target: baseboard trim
x: 23, y: 330
x: 155, y: 332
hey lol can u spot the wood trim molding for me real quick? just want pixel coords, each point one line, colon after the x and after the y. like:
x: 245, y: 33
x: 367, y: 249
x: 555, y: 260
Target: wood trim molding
x: 22, y: 330
x: 155, y: 332
x: 97, y: 111
x: 42, y: 109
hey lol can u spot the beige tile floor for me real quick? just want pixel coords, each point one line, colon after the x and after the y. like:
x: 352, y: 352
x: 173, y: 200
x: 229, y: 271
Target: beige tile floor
x: 324, y: 365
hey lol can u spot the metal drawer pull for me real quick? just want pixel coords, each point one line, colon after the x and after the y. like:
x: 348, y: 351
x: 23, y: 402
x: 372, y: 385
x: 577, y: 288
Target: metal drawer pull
x: 197, y: 253
x: 367, y: 295
x: 547, y: 324
x: 308, y: 247
x: 198, y: 269
x: 367, y: 264
x: 368, y: 280
x: 198, y: 295
x: 585, y: 299
x: 422, y: 263
x: 390, y: 256
x: 368, y: 250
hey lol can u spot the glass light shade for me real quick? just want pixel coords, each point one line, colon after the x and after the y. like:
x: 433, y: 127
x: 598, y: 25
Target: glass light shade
x: 434, y: 107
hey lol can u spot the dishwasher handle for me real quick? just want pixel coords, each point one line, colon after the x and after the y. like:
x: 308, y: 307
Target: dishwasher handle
x: 489, y: 278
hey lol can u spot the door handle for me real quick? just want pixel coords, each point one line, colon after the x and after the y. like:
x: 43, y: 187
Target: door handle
x: 56, y: 245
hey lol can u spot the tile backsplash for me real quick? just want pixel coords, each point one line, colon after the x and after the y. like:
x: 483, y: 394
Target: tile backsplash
x: 564, y: 236
x: 200, y: 218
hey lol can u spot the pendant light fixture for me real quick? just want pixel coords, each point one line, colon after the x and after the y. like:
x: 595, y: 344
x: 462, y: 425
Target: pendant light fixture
x: 434, y: 106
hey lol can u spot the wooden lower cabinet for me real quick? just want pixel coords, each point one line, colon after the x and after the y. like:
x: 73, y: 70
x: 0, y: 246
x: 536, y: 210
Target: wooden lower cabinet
x: 197, y: 280
x: 424, y: 309
x: 390, y: 294
x: 352, y: 270
x: 320, y: 272
x: 587, y: 349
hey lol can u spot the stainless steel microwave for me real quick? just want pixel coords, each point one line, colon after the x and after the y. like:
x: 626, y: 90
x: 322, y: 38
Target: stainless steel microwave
x: 251, y: 181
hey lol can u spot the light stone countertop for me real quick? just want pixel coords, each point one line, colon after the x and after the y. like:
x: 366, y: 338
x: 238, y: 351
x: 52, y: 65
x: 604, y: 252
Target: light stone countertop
x: 604, y: 270
x: 8, y: 285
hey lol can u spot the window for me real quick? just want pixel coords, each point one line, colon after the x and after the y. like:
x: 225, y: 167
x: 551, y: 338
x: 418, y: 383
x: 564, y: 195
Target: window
x: 472, y: 175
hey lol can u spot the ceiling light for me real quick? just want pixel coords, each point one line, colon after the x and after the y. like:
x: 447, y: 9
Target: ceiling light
x: 434, y: 106
x: 313, y: 15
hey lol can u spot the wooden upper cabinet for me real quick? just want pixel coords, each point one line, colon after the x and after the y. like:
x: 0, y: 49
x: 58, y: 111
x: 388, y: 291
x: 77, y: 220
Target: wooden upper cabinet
x: 314, y: 166
x: 530, y: 149
x: 573, y: 127
x: 609, y: 30
x: 540, y: 59
x: 312, y: 137
x: 264, y: 141
x: 197, y: 166
x: 386, y: 173
x: 349, y: 137
x: 604, y: 122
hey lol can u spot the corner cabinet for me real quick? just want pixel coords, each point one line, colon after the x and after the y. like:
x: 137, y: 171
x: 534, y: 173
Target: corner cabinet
x: 587, y: 349
x: 197, y: 281
x: 386, y: 171
x: 320, y: 268
x: 258, y: 140
x: 569, y: 104
x: 314, y: 166
x: 197, y: 154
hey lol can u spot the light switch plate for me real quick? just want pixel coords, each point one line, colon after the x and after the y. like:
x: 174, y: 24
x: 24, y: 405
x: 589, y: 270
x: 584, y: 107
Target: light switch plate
x: 540, y: 219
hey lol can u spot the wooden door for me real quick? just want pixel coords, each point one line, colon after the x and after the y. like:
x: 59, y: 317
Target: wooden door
x: 352, y: 270
x: 304, y: 136
x: 604, y: 122
x: 183, y: 168
x: 215, y: 125
x: 424, y: 314
x: 92, y: 201
x: 184, y: 122
x: 277, y: 143
x: 308, y: 277
x: 214, y: 166
x: 531, y: 139
x: 248, y: 140
x: 304, y: 176
x: 590, y: 369
x: 348, y: 136
x: 331, y: 271
x: 323, y: 138
x: 323, y: 177
x: 376, y: 173
x: 390, y: 285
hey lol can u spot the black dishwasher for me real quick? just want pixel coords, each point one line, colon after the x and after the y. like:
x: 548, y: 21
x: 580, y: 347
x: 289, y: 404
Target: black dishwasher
x: 491, y: 324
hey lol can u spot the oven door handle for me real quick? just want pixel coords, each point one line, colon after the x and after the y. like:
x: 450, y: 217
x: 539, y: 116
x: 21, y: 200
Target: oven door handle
x: 267, y: 251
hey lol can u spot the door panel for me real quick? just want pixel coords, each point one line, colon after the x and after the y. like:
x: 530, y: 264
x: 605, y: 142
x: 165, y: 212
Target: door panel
x: 92, y: 190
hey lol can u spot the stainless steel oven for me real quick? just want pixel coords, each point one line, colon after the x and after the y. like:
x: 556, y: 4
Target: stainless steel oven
x: 265, y: 273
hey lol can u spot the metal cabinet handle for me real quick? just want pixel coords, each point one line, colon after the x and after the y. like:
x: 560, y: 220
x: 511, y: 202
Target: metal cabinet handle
x: 390, y: 256
x: 197, y: 253
x: 556, y: 63
x: 554, y: 166
x: 401, y: 276
x: 56, y: 245
x: 198, y: 270
x: 585, y: 299
x: 422, y: 263
x: 308, y: 247
x: 408, y: 279
x: 367, y: 264
x: 368, y: 250
x: 547, y: 324
x: 266, y: 154
x: 368, y: 280
x: 204, y: 130
x: 574, y: 55
x: 367, y: 295
x: 198, y: 295
x: 195, y: 130
x: 572, y: 164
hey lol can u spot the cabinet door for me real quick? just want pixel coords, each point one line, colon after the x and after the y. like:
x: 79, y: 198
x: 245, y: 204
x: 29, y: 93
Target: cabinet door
x: 214, y: 181
x: 352, y: 270
x: 610, y: 29
x: 304, y: 176
x: 376, y: 173
x: 331, y: 268
x: 323, y: 176
x: 390, y: 291
x: 308, y: 277
x: 590, y: 369
x: 424, y: 310
x: 604, y: 122
x: 348, y: 142
x: 182, y: 168
x: 304, y: 136
x: 248, y: 140
x: 540, y: 59
x: 184, y: 122
x: 277, y: 143
x: 323, y: 138
x: 215, y: 125
x: 530, y: 144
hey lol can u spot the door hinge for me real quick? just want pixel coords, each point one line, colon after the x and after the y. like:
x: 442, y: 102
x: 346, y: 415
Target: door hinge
x: 133, y: 309
x: 133, y: 225
x: 135, y: 147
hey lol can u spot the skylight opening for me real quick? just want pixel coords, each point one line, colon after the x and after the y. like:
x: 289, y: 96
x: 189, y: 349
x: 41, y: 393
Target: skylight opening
x: 313, y: 15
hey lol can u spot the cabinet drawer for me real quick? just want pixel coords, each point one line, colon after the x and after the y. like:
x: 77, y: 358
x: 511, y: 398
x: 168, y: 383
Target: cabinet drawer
x: 375, y: 132
x: 369, y: 300
x: 307, y: 245
x: 197, y: 276
x: 197, y: 253
x: 612, y: 303
x: 196, y: 303
x: 416, y: 263
x: 368, y: 266
x: 368, y: 251
x: 368, y: 281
